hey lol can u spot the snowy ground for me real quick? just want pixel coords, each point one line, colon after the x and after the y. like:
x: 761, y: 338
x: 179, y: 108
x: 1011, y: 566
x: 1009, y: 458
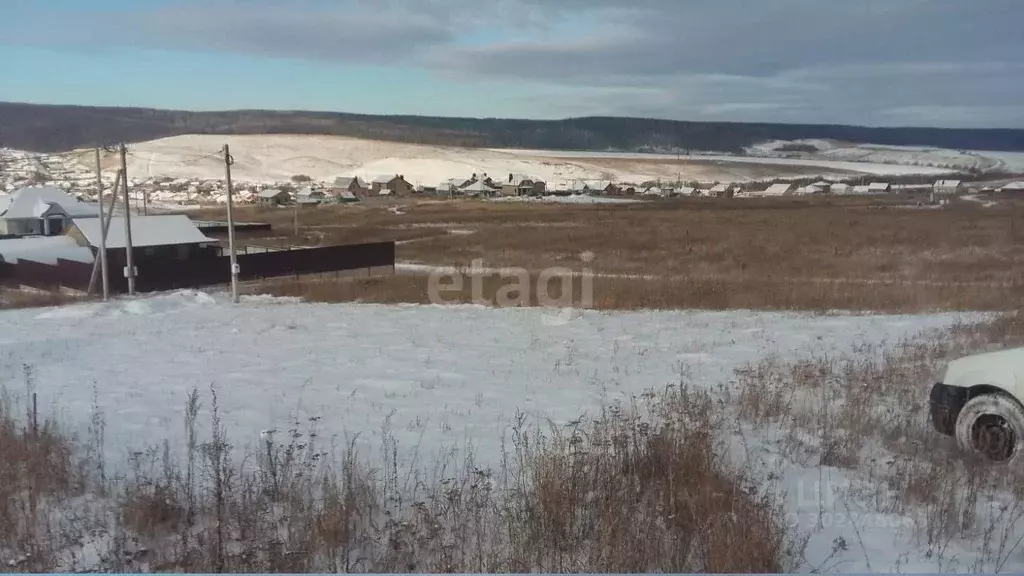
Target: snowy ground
x: 903, y: 156
x: 571, y: 199
x: 457, y: 371
x: 436, y: 377
x: 816, y: 165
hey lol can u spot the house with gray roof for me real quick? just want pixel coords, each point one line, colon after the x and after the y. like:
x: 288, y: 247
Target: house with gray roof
x: 172, y: 236
x: 273, y: 197
x: 41, y: 211
x: 395, y: 184
x: 947, y: 187
x: 351, y: 184
x: 478, y: 188
x: 780, y: 189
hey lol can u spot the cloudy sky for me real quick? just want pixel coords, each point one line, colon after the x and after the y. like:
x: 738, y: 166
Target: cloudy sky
x: 957, y: 63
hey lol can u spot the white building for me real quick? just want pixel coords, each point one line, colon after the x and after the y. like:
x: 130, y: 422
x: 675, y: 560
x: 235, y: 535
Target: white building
x: 947, y: 187
x: 44, y: 211
x: 782, y: 189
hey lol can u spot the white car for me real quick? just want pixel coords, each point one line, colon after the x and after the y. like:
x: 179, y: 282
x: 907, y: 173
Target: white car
x: 979, y: 401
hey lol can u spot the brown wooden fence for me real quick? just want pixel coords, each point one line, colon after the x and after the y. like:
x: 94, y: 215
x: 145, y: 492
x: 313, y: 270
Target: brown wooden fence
x: 168, y: 274
x: 63, y: 274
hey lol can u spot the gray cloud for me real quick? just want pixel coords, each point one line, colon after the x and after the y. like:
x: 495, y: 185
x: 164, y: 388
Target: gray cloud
x: 941, y: 62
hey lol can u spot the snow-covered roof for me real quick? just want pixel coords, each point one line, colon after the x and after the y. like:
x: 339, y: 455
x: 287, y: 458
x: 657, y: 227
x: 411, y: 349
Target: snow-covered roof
x: 384, y: 179
x: 269, y: 193
x: 477, y: 187
x: 778, y: 189
x: 38, y: 201
x: 45, y: 249
x: 878, y: 186
x: 947, y: 184
x: 720, y: 188
x: 164, y: 230
x: 1013, y: 187
x: 861, y: 189
x: 598, y: 185
x: 346, y: 181
x: 686, y: 190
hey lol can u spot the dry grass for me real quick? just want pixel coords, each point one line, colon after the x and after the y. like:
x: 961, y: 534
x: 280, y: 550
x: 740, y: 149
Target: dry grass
x: 633, y: 491
x: 867, y: 411
x: 821, y: 253
x: 11, y: 299
x: 665, y: 294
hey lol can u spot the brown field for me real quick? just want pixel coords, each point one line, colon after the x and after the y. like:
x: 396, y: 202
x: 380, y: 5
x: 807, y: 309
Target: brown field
x: 830, y: 253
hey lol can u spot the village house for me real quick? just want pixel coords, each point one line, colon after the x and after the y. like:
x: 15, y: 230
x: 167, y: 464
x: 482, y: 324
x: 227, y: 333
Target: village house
x: 879, y: 188
x: 719, y: 191
x: 780, y: 189
x: 601, y: 187
x: 310, y: 197
x: 350, y: 184
x: 41, y: 211
x: 388, y: 185
x: 273, y: 197
x: 478, y: 188
x: 947, y: 187
x: 1013, y: 187
x: 839, y: 189
x: 520, y: 185
x: 153, y: 237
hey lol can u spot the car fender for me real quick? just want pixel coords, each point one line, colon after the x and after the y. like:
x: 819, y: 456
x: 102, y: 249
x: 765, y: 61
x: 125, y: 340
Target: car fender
x: 1003, y: 370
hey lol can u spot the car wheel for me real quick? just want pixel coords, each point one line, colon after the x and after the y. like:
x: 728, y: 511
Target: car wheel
x: 991, y: 425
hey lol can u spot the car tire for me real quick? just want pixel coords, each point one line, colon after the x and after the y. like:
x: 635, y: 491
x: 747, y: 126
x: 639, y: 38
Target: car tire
x: 992, y: 425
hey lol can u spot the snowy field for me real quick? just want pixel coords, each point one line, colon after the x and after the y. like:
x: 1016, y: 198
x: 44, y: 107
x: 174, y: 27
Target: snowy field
x: 819, y: 165
x: 904, y: 156
x: 276, y: 158
x: 442, y: 374
x: 437, y: 378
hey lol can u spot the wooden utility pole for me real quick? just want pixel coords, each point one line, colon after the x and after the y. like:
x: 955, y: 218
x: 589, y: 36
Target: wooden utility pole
x: 105, y: 225
x: 228, y: 161
x: 103, y: 229
x: 129, y: 270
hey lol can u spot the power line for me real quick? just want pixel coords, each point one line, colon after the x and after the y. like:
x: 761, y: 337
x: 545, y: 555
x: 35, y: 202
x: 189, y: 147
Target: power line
x: 152, y: 159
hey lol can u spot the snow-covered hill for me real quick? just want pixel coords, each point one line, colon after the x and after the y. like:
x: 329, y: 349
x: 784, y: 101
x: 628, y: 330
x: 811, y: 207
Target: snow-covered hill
x: 901, y: 156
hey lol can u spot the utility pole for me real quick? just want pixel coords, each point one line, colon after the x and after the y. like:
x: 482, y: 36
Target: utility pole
x: 228, y: 161
x: 129, y: 270
x: 103, y: 229
x: 105, y: 232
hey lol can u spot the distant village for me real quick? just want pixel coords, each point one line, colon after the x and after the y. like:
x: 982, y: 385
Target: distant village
x: 75, y: 177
